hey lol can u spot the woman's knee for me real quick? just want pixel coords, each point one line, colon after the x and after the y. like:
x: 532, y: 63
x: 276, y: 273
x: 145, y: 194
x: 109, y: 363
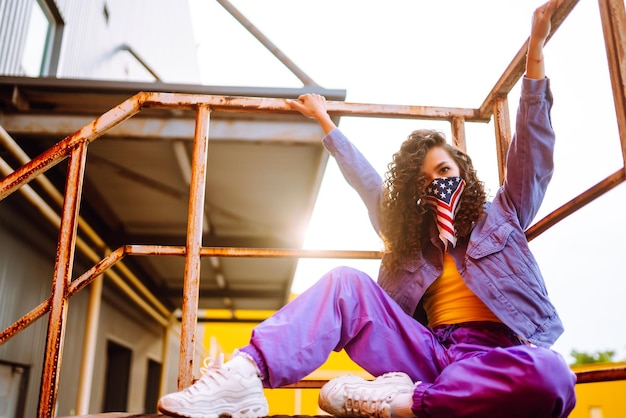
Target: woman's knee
x: 551, y: 377
x: 563, y: 379
x: 348, y: 283
x: 347, y: 276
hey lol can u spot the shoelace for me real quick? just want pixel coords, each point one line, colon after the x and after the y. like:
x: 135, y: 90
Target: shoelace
x: 367, y: 402
x: 210, y: 363
x: 212, y: 371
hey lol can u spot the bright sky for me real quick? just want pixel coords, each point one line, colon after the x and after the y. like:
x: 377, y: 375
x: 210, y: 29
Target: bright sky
x: 448, y: 53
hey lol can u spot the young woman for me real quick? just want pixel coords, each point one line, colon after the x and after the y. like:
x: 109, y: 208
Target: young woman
x: 459, y: 322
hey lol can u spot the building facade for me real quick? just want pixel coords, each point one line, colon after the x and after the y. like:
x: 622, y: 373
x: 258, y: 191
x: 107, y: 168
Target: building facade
x: 87, y: 40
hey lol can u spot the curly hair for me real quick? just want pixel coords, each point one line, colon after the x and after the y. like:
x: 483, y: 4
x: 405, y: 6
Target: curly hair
x: 404, y: 226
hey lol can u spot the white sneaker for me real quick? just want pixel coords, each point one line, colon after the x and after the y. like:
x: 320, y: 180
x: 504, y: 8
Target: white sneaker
x: 350, y: 396
x: 219, y: 392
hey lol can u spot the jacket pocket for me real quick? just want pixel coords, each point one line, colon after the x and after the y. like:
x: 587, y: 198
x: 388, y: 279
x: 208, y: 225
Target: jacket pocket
x: 502, y: 268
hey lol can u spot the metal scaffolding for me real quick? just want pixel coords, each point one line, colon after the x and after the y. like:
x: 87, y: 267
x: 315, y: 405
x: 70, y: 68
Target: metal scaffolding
x: 74, y: 148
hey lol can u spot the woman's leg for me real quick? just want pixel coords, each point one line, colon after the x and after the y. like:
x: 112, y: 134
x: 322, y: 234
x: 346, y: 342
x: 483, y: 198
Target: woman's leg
x: 518, y: 381
x: 488, y: 374
x: 347, y: 310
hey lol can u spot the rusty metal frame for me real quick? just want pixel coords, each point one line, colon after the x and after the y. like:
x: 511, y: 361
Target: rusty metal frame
x: 74, y: 148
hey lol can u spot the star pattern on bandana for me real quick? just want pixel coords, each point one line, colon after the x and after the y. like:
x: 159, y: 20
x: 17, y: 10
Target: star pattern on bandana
x: 444, y: 188
x: 443, y: 196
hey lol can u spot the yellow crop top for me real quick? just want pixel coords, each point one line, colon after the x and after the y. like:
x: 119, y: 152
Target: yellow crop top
x: 449, y: 301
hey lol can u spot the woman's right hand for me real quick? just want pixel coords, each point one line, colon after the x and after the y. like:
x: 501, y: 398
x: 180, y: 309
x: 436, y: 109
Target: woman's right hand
x: 313, y: 106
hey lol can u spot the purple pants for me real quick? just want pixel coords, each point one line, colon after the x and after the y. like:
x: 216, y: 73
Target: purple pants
x: 472, y: 370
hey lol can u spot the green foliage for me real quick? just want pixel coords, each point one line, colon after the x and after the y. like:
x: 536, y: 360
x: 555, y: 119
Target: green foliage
x: 591, y: 358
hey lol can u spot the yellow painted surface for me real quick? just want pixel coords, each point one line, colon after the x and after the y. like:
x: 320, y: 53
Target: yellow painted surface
x: 600, y: 400
x: 225, y: 337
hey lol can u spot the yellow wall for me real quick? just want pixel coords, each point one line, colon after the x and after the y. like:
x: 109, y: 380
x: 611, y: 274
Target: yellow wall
x: 600, y: 400
x: 225, y: 337
x: 595, y: 400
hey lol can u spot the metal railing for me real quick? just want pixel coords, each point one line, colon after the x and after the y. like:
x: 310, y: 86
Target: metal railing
x: 74, y: 148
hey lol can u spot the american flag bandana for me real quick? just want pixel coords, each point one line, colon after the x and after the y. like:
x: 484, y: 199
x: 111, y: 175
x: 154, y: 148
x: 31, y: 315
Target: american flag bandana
x: 442, y: 197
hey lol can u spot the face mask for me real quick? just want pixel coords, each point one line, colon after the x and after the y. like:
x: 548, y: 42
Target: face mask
x: 442, y: 198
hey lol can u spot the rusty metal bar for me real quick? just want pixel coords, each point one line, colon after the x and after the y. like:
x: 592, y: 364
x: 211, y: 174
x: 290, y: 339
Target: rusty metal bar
x: 307, y: 384
x: 62, y: 277
x: 101, y: 268
x: 103, y: 265
x: 59, y: 151
x: 458, y: 133
x: 25, y: 321
x: 576, y: 203
x: 86, y: 249
x: 149, y: 250
x: 516, y: 68
x: 271, y: 105
x: 601, y: 375
x: 54, y: 218
x: 502, y: 125
x: 614, y: 26
x: 589, y: 376
x: 77, y: 285
x: 250, y: 252
x: 271, y: 252
x: 191, y: 283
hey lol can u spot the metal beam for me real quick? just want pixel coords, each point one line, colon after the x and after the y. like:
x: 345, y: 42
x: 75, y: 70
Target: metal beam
x: 516, y: 68
x: 614, y: 26
x: 297, y: 131
x: 218, y: 293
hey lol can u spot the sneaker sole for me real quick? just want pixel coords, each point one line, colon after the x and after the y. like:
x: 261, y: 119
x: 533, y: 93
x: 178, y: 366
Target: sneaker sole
x: 329, y: 395
x: 247, y: 411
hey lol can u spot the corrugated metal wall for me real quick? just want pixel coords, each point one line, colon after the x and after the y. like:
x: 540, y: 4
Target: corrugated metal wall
x: 93, y: 40
x: 13, y: 16
x: 23, y: 267
x: 27, y: 254
x: 93, y: 33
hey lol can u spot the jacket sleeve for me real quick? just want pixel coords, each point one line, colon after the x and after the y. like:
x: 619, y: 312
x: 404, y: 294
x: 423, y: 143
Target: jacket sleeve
x: 530, y: 164
x: 358, y: 172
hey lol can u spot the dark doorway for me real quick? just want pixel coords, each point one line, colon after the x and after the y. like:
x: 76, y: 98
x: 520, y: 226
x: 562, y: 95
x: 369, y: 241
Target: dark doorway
x: 153, y: 382
x: 13, y: 385
x: 117, y: 378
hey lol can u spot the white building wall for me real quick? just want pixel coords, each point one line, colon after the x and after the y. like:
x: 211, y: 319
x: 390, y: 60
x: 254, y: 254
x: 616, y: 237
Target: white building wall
x: 13, y: 15
x: 95, y: 32
x: 159, y: 31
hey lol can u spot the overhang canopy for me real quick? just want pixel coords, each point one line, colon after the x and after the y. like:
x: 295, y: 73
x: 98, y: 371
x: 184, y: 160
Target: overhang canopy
x: 263, y: 176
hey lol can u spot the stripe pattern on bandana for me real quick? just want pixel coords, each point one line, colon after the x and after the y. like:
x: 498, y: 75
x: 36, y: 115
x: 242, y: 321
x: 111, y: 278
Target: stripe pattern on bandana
x: 442, y: 197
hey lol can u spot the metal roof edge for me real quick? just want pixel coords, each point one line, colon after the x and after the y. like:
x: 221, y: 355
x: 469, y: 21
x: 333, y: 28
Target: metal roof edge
x: 113, y: 86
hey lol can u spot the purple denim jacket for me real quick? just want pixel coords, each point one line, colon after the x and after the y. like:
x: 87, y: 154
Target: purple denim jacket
x: 496, y: 262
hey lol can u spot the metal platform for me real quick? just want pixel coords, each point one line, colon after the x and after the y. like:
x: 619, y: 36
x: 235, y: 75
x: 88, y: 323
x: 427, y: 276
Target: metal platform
x: 127, y: 415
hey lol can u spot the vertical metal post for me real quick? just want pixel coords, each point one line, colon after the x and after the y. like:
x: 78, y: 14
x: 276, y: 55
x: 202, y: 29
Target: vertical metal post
x: 502, y: 125
x: 458, y: 133
x: 89, y: 346
x: 194, y: 244
x: 62, y: 278
x: 614, y: 26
